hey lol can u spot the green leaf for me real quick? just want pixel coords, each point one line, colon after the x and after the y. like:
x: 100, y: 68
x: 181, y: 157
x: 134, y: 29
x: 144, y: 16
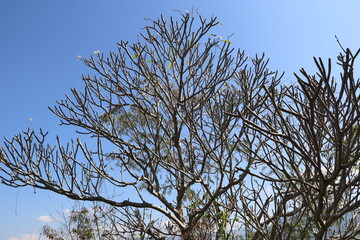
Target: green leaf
x: 170, y: 65
x: 148, y: 60
x: 134, y: 56
x: 227, y: 41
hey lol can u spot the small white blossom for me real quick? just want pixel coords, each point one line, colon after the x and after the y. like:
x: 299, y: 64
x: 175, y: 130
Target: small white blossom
x: 79, y: 57
x: 96, y: 52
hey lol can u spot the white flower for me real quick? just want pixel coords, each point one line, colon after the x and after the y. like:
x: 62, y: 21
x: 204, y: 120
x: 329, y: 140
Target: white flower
x: 30, y: 119
x: 79, y: 57
x: 96, y: 52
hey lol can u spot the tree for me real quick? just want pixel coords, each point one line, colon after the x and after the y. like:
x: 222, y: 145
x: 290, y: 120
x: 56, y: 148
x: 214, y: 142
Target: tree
x: 92, y: 222
x: 163, y: 104
x: 206, y: 141
x: 308, y: 142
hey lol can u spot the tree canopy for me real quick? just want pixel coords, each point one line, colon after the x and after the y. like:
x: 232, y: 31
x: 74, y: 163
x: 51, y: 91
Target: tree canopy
x: 208, y: 142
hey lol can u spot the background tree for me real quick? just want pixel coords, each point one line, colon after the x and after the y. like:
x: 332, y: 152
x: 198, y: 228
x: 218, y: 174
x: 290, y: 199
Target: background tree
x: 87, y: 223
x: 167, y: 107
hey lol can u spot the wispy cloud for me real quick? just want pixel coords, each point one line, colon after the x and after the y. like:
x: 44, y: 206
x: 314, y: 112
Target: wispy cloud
x: 67, y: 211
x: 45, y: 219
x: 27, y: 236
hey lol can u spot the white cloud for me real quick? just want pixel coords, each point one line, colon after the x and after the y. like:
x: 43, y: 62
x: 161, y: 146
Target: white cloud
x: 67, y: 211
x: 45, y: 219
x: 27, y: 236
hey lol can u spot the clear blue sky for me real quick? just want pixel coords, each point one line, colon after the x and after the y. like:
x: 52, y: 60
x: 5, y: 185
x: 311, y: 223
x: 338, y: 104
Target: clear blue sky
x: 41, y: 39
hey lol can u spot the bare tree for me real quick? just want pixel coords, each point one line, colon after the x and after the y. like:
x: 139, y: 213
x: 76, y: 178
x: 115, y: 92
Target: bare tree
x: 168, y: 107
x: 307, y: 140
x: 204, y: 141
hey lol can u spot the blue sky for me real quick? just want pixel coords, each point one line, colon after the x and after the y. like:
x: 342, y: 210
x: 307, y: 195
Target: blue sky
x: 41, y: 39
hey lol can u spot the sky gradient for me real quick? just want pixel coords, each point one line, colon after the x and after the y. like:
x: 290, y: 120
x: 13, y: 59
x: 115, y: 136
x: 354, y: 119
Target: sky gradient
x: 41, y: 39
